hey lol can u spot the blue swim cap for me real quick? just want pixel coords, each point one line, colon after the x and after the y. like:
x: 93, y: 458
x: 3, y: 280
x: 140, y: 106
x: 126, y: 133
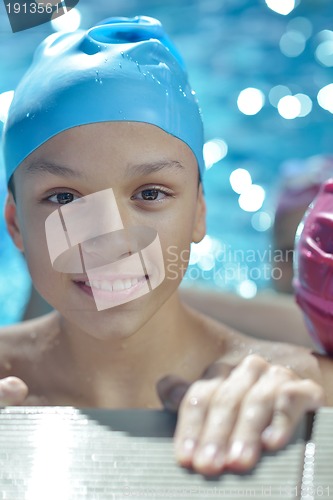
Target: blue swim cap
x: 120, y: 70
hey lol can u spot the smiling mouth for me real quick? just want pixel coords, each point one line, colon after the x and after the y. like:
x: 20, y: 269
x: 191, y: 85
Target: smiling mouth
x: 114, y: 285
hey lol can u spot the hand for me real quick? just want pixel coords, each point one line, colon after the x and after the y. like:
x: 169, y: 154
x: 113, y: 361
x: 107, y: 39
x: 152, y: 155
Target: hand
x: 224, y: 422
x: 13, y: 391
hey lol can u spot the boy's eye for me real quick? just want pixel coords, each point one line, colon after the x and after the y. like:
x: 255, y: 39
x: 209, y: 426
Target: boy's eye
x: 151, y: 194
x: 62, y: 198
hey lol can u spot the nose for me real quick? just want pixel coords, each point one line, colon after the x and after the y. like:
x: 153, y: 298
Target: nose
x: 108, y: 248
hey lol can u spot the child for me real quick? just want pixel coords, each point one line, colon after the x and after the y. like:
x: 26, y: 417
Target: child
x: 103, y: 153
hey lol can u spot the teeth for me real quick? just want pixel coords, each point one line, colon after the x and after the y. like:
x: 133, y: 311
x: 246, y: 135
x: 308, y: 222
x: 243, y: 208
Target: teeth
x: 128, y: 283
x: 118, y: 285
x: 103, y: 285
x: 114, y: 286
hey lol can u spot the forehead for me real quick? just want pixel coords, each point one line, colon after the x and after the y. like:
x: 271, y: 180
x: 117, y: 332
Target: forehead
x: 116, y: 143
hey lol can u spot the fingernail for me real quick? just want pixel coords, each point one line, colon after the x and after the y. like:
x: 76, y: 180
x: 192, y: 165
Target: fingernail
x: 219, y: 460
x: 235, y: 451
x: 206, y: 455
x: 241, y: 452
x: 10, y: 384
x: 185, y: 450
x: 273, y: 436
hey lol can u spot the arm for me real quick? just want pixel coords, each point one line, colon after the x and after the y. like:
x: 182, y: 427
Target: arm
x: 269, y: 315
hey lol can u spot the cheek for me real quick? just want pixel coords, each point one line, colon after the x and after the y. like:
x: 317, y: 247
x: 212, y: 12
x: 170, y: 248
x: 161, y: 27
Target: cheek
x: 36, y: 250
x: 176, y: 239
x: 176, y: 250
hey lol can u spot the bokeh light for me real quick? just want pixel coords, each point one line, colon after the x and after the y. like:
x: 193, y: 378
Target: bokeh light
x: 325, y: 35
x: 302, y: 24
x: 247, y: 289
x: 252, y: 198
x: 325, y: 97
x: 261, y: 221
x: 206, y: 262
x: 5, y: 102
x: 324, y: 53
x: 283, y: 7
x: 250, y: 101
x: 292, y: 43
x: 240, y: 180
x: 306, y: 104
x: 203, y: 253
x: 276, y: 93
x: 214, y: 151
x: 289, y: 107
x: 67, y: 22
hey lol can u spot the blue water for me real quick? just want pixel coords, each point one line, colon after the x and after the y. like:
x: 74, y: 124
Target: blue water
x: 14, y: 276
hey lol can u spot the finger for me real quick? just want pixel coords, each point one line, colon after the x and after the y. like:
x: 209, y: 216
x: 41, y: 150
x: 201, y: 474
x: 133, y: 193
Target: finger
x: 214, y: 426
x: 13, y: 391
x: 171, y: 390
x: 217, y: 369
x: 210, y: 457
x: 279, y: 397
x: 191, y: 416
x: 255, y: 414
x: 295, y: 399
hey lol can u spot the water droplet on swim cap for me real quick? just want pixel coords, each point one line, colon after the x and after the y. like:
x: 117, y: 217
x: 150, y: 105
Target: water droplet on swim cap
x: 119, y: 54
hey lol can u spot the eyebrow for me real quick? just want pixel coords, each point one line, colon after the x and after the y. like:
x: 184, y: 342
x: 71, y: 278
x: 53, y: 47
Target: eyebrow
x: 150, y: 168
x: 42, y: 167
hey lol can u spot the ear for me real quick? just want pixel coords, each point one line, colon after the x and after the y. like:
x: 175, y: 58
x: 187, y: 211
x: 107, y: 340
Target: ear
x: 12, y: 222
x: 199, y: 228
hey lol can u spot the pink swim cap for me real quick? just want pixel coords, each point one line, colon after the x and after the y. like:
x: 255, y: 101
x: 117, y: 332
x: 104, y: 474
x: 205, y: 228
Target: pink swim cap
x: 313, y: 281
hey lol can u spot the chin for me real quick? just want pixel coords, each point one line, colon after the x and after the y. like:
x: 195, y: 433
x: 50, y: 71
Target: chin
x: 110, y: 324
x: 117, y: 322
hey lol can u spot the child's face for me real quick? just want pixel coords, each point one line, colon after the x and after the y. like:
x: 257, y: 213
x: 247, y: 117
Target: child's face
x: 154, y: 178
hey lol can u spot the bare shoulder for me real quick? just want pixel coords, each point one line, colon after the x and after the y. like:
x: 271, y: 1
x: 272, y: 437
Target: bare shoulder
x: 234, y: 346
x: 22, y: 343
